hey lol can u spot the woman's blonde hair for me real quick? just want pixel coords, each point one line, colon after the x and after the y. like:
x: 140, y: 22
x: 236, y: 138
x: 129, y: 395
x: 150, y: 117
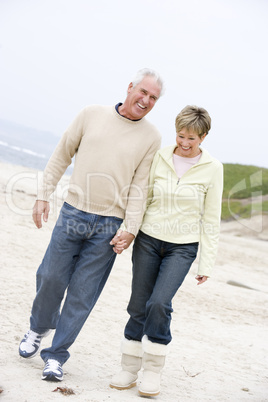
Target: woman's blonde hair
x: 195, y: 118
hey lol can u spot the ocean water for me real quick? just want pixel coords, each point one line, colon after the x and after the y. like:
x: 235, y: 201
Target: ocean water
x: 26, y: 146
x: 19, y: 155
x: 22, y: 156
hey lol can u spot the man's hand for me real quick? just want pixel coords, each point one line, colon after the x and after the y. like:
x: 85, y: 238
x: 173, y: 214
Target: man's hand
x: 121, y: 241
x: 40, y: 208
x: 201, y: 279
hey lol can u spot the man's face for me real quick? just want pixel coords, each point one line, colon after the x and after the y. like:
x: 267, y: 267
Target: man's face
x: 141, y: 98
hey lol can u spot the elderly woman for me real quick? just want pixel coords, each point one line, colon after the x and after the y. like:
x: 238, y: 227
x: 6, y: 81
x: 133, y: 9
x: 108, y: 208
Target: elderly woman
x: 183, y: 213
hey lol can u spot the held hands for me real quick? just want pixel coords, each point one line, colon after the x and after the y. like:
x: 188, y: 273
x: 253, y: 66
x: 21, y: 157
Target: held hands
x: 201, y: 279
x: 121, y: 241
x: 40, y: 208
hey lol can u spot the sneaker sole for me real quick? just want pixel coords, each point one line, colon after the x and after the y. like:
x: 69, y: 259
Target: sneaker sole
x: 28, y: 357
x: 51, y: 377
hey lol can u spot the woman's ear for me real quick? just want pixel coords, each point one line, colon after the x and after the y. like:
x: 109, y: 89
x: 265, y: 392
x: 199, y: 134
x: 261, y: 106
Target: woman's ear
x: 203, y: 137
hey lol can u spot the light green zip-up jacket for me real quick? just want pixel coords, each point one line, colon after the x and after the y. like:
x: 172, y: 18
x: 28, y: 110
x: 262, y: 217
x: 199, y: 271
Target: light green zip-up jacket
x: 186, y: 210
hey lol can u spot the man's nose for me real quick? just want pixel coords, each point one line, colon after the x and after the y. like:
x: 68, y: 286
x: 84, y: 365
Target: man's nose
x: 146, y: 99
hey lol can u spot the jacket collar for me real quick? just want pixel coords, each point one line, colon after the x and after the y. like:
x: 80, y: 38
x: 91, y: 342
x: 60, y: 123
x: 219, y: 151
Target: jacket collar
x: 167, y: 154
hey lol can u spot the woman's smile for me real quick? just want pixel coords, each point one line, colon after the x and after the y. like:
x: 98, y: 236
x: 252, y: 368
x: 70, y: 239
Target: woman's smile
x: 188, y: 143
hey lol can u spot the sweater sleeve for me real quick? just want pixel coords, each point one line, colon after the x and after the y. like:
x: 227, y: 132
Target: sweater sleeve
x: 211, y: 223
x: 152, y: 179
x: 61, y: 157
x: 138, y: 192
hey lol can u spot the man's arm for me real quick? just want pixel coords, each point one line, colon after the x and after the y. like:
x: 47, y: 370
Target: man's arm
x: 123, y: 239
x: 138, y: 191
x: 56, y: 166
x: 61, y: 157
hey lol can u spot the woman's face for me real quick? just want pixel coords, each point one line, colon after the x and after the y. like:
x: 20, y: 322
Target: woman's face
x: 188, y: 143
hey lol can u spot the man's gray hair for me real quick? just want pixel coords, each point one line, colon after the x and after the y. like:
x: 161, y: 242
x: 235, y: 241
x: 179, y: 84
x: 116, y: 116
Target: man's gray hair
x: 145, y: 72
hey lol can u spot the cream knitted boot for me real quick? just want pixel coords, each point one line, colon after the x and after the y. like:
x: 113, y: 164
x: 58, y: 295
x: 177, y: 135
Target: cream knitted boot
x: 131, y: 363
x: 153, y: 362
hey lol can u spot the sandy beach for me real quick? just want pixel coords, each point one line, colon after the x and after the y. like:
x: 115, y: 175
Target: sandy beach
x: 219, y: 350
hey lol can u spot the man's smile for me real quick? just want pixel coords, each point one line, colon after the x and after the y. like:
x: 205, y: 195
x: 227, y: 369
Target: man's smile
x: 142, y: 107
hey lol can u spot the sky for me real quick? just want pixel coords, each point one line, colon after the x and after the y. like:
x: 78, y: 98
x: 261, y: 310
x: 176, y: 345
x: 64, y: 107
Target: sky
x: 57, y: 56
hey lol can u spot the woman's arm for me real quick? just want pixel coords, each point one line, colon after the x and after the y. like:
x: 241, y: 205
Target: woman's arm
x: 211, y: 223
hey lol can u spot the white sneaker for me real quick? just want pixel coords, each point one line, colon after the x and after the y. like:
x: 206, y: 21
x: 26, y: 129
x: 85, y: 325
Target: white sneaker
x: 30, y: 344
x: 52, y: 371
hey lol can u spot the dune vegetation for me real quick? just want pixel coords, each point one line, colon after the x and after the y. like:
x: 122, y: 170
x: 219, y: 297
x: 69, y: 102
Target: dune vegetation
x: 245, y: 191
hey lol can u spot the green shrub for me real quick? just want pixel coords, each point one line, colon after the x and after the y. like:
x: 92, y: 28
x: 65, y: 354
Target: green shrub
x: 236, y: 209
x: 242, y: 181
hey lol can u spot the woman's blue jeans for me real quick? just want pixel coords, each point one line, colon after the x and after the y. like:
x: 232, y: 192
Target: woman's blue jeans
x: 80, y: 258
x: 159, y: 269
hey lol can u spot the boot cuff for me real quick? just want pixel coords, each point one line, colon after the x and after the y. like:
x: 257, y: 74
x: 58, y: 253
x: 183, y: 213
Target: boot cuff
x: 153, y: 348
x: 132, y: 348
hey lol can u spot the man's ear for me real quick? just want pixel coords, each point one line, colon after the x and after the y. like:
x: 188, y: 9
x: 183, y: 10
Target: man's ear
x: 129, y: 88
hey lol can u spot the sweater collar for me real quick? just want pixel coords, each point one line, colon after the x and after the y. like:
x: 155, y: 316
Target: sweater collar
x: 117, y: 109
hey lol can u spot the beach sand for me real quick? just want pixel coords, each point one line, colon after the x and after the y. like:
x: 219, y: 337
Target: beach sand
x: 219, y: 347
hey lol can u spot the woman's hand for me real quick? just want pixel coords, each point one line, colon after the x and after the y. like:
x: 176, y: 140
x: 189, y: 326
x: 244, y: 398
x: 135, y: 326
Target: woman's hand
x: 121, y: 241
x: 201, y: 279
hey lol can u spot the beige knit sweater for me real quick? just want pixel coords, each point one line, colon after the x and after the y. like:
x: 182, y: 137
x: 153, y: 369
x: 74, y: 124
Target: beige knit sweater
x: 113, y: 156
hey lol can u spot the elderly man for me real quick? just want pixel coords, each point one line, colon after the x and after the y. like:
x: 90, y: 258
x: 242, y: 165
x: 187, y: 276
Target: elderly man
x: 113, y: 148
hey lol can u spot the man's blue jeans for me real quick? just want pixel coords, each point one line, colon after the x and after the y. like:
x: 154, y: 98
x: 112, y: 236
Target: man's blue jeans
x: 80, y: 258
x: 159, y: 269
